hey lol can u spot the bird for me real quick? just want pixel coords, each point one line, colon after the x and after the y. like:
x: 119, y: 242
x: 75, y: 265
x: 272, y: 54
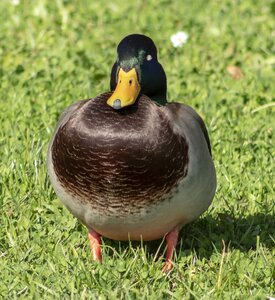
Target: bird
x: 128, y: 164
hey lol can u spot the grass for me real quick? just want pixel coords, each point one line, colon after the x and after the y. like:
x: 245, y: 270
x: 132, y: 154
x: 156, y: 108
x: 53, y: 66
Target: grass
x: 53, y: 53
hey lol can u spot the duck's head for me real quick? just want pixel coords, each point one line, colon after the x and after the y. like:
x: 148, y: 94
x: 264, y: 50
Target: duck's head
x: 136, y: 71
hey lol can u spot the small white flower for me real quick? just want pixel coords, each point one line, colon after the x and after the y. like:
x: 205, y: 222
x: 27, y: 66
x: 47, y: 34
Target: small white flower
x: 179, y: 39
x: 15, y: 2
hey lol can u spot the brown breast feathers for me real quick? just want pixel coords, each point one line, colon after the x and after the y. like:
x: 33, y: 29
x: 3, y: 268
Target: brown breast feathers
x: 124, y: 160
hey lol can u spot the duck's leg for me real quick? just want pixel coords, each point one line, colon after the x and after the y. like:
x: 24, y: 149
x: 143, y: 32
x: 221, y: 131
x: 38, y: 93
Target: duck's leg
x: 95, y: 241
x: 171, y: 241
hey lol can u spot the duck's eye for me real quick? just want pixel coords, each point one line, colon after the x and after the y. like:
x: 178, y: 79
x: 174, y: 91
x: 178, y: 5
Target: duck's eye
x: 149, y: 57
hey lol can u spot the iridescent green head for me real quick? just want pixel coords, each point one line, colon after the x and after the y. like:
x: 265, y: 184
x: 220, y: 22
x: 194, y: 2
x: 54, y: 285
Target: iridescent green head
x: 136, y: 71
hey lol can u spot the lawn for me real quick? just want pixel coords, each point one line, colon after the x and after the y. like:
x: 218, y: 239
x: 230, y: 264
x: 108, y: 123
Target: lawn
x: 53, y: 53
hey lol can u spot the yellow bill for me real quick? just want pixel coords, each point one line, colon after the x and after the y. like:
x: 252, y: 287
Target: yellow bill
x: 127, y: 90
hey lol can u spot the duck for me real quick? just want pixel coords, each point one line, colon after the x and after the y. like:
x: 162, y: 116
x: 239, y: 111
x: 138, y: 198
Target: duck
x: 128, y: 164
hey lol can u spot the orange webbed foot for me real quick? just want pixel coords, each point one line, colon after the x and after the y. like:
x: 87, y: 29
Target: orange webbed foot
x: 95, y: 242
x: 171, y: 240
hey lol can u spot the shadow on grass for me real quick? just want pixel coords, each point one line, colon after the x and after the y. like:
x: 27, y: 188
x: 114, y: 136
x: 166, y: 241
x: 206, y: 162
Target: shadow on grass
x: 207, y: 234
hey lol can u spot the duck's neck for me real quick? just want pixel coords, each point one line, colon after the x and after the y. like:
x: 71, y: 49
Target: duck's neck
x: 160, y: 98
x: 157, y: 87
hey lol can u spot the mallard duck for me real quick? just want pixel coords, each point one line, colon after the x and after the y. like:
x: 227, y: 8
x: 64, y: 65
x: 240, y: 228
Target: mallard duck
x: 128, y: 164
